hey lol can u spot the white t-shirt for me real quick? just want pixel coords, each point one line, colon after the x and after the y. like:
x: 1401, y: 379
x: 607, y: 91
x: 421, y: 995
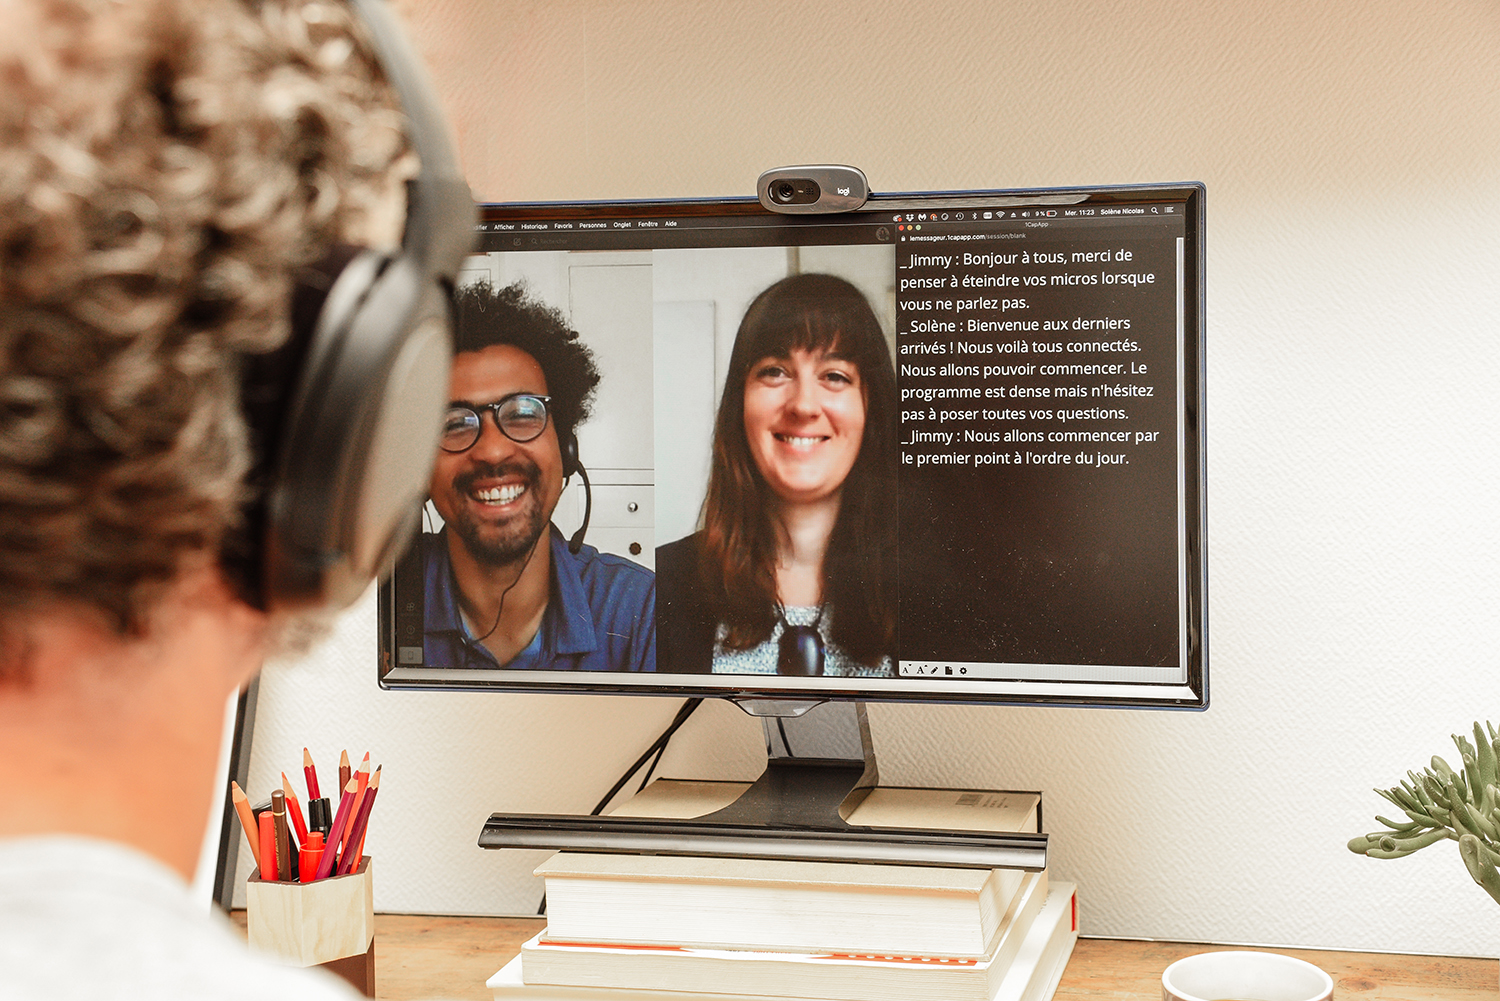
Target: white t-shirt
x: 82, y: 918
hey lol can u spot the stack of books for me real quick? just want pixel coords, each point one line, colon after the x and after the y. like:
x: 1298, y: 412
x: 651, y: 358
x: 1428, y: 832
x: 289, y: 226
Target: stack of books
x: 628, y: 927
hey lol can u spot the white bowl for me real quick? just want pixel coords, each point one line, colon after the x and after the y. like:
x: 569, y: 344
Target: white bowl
x: 1244, y: 976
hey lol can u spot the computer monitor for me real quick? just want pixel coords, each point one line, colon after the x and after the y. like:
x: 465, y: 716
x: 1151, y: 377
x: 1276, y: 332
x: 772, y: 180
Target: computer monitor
x: 1001, y: 392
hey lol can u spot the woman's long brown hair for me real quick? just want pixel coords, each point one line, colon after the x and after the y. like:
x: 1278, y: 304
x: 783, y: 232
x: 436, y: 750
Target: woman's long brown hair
x: 738, y: 554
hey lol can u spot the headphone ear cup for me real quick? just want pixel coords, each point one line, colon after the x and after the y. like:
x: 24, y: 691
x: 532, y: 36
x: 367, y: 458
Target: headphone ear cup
x: 567, y: 443
x: 267, y: 384
x: 360, y: 433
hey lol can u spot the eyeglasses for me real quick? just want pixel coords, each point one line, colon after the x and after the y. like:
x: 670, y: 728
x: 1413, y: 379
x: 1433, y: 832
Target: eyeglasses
x: 521, y: 417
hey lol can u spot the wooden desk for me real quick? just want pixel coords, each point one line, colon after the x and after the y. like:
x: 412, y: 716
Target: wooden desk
x: 420, y: 957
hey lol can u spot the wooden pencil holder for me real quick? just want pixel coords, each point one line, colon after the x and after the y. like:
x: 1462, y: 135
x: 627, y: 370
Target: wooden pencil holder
x: 328, y: 922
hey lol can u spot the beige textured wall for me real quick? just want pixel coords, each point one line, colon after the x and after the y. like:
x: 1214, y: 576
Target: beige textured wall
x: 1350, y: 156
x: 593, y: 99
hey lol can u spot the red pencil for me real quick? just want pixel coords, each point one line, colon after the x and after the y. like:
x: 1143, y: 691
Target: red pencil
x: 311, y: 771
x: 295, y: 809
x: 349, y: 861
x: 340, y: 820
x: 363, y: 770
x: 343, y: 769
x: 359, y: 849
x: 362, y: 780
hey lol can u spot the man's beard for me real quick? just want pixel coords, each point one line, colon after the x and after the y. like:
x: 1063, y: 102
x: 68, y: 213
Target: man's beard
x: 501, y: 546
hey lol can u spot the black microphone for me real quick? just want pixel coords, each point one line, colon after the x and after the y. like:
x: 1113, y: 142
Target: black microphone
x: 800, y: 651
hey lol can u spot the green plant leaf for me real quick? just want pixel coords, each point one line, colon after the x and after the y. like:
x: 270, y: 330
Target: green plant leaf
x: 1481, y: 867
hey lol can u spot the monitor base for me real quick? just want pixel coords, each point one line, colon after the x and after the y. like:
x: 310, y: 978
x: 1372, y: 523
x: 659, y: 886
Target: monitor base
x: 797, y: 810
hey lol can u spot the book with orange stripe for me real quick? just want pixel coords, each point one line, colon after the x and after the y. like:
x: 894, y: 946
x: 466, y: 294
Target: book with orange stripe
x: 1028, y: 964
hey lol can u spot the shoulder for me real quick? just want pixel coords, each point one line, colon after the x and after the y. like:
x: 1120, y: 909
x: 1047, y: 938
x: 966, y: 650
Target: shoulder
x: 609, y: 598
x: 603, y: 575
x: 678, y: 557
x: 686, y: 619
x: 677, y: 571
x: 432, y: 547
x: 81, y: 918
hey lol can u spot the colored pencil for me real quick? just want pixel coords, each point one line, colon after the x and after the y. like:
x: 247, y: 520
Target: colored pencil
x: 311, y: 771
x: 349, y: 861
x: 362, y: 782
x: 359, y: 849
x: 247, y: 819
x: 340, y: 819
x: 343, y: 769
x: 294, y: 810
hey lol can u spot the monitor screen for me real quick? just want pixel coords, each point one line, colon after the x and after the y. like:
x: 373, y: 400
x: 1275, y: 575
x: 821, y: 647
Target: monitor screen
x: 947, y: 447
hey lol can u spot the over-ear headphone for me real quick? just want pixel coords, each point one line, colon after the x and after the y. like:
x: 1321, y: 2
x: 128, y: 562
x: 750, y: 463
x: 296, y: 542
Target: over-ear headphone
x: 346, y: 416
x: 567, y: 443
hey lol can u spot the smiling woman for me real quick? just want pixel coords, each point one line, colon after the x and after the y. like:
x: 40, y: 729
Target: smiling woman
x: 804, y: 423
x: 792, y: 572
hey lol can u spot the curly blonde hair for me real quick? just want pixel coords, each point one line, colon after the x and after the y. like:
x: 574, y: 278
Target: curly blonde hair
x: 165, y: 166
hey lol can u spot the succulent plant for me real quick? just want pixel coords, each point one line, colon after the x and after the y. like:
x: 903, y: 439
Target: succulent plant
x: 1445, y: 804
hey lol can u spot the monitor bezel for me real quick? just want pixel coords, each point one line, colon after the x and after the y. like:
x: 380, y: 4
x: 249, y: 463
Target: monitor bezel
x: 1191, y: 695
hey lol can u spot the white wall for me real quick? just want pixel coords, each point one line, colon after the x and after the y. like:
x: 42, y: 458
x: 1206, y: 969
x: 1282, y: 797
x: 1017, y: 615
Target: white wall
x: 1350, y: 153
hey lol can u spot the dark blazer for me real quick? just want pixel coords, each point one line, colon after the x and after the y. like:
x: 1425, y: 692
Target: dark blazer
x: 685, y: 626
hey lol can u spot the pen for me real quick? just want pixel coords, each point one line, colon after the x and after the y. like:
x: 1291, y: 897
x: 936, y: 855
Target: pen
x: 295, y: 809
x: 311, y: 771
x: 247, y: 819
x: 340, y: 819
x: 309, y: 855
x: 320, y: 816
x: 283, y: 841
x: 267, y: 848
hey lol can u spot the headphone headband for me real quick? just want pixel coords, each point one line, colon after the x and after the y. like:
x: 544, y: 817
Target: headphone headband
x: 440, y: 208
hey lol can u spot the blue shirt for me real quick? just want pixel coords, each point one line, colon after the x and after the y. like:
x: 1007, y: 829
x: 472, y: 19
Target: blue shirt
x: 601, y: 614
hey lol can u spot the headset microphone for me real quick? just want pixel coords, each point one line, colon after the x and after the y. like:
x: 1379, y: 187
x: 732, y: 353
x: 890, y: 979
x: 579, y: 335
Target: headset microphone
x: 576, y: 542
x: 567, y: 443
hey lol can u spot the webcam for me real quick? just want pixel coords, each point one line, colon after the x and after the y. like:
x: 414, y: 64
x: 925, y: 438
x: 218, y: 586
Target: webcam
x: 813, y: 190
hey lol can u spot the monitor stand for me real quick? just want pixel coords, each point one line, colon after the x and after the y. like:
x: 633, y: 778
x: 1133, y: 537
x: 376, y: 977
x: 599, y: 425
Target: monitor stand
x: 820, y: 767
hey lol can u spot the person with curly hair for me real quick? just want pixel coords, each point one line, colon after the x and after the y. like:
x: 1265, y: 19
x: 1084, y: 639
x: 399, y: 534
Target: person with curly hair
x: 502, y: 587
x: 167, y: 167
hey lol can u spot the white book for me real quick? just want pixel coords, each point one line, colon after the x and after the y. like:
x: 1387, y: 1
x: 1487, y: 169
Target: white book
x: 884, y: 806
x: 1033, y: 975
x: 832, y: 976
x: 790, y: 905
x: 1039, y: 965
